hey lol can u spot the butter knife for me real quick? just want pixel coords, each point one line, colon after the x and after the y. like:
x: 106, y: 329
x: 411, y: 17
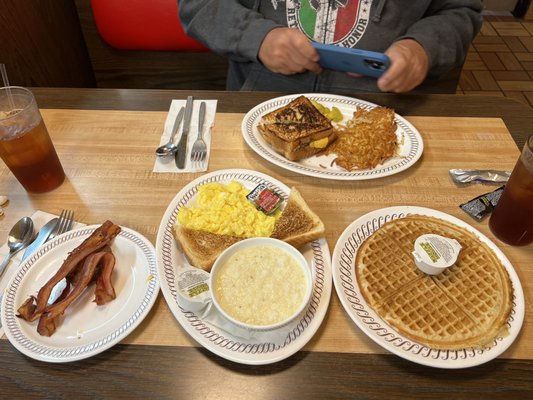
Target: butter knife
x: 181, y: 154
x: 42, y: 236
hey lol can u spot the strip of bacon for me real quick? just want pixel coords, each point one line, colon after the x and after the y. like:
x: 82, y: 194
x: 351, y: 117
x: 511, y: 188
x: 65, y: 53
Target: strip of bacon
x: 32, y: 308
x: 104, y: 291
x: 48, y: 320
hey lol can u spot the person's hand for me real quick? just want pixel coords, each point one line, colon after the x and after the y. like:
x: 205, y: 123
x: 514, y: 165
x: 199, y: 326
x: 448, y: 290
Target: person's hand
x: 409, y: 67
x: 288, y: 51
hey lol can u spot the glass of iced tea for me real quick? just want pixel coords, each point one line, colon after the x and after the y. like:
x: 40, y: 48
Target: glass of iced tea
x: 512, y: 219
x: 25, y: 145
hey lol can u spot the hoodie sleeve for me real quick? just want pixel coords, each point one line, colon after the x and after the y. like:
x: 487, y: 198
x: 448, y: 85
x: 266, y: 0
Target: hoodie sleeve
x: 446, y: 32
x: 239, y: 29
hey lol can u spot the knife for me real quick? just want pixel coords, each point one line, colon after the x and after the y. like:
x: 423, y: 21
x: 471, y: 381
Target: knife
x: 181, y: 154
x: 42, y: 236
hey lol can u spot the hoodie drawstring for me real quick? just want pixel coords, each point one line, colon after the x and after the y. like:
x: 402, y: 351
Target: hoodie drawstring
x: 379, y: 10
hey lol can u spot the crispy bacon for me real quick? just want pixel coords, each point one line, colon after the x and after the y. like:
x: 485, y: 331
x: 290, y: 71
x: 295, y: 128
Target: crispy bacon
x: 83, y: 265
x: 104, y: 291
x: 47, y: 322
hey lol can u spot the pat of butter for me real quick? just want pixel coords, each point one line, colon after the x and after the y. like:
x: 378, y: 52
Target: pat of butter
x: 434, y: 253
x: 193, y: 292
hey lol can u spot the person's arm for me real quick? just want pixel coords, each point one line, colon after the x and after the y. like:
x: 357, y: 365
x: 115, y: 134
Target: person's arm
x: 446, y: 32
x: 432, y: 46
x: 227, y: 27
x: 236, y: 31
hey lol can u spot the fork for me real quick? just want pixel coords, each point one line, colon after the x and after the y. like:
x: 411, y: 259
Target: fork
x: 199, y: 148
x: 64, y: 224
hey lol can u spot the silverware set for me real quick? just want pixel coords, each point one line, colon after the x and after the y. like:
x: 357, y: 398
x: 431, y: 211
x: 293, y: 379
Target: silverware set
x: 198, y: 154
x: 22, y: 235
x: 24, y: 229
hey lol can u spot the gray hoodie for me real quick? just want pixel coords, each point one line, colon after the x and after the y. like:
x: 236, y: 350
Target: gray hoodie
x: 236, y: 29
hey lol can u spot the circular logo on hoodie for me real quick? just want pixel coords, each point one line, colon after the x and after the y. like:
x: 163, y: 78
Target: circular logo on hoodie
x: 341, y: 22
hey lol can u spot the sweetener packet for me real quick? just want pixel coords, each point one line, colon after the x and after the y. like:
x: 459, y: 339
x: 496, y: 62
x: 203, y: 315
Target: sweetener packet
x: 481, y: 206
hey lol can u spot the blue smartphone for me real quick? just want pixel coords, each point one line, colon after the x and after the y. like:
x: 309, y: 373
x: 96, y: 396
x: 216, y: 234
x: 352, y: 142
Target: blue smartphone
x: 368, y: 63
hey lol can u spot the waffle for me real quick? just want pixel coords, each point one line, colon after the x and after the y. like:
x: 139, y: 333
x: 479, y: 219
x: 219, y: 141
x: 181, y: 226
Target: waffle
x: 465, y: 306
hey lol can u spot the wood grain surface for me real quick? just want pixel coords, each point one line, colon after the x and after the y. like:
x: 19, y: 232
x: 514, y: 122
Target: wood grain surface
x: 108, y: 157
x: 107, y: 152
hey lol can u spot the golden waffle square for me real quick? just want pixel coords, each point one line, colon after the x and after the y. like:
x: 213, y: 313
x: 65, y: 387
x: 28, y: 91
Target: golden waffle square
x: 466, y: 306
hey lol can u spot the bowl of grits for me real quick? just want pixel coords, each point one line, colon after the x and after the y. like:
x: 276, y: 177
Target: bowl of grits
x: 261, y: 283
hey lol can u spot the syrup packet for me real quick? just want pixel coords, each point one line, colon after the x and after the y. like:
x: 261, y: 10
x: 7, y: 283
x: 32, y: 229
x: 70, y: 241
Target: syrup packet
x: 481, y: 206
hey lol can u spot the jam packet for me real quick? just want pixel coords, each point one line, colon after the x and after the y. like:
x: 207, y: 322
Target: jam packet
x: 481, y: 206
x: 265, y: 199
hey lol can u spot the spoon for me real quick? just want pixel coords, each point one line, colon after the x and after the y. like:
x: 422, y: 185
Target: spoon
x: 170, y: 148
x: 19, y: 238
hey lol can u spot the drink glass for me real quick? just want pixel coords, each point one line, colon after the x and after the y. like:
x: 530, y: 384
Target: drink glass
x: 512, y: 219
x: 25, y: 145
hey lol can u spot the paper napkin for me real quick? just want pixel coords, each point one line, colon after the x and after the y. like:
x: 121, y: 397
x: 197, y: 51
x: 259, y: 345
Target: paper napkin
x: 168, y: 164
x: 39, y: 219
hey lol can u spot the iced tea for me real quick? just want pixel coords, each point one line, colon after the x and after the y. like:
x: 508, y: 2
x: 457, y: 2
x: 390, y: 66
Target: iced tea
x: 26, y: 147
x: 512, y: 219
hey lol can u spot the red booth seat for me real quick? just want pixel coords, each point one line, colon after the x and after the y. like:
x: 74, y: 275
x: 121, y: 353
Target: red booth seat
x: 142, y: 25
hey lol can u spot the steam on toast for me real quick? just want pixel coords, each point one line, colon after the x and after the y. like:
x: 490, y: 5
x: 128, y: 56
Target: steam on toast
x: 297, y: 130
x: 297, y: 225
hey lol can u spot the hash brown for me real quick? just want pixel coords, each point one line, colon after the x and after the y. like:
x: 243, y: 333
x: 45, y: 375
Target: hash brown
x: 367, y: 140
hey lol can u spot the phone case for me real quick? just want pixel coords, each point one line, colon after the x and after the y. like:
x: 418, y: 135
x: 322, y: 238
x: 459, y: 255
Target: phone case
x: 369, y: 63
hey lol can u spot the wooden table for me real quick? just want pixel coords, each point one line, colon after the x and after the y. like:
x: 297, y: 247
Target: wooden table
x: 106, y: 138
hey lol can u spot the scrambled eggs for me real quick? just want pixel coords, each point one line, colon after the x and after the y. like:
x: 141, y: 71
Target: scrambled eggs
x: 225, y: 210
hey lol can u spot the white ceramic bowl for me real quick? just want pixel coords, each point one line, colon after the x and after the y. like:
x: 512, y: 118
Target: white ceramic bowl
x: 261, y: 291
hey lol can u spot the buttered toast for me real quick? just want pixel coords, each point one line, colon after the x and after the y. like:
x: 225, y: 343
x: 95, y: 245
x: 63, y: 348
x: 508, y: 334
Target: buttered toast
x: 296, y: 225
x: 297, y: 130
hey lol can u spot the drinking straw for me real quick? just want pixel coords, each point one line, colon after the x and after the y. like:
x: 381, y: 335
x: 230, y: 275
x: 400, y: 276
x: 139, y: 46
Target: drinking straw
x: 6, y: 84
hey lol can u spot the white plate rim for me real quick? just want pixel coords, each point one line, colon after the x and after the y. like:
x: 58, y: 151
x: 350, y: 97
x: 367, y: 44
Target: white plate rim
x: 214, y: 339
x: 378, y: 330
x: 53, y: 354
x: 414, y: 143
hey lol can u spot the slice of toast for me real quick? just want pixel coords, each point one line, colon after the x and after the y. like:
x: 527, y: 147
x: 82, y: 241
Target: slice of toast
x: 297, y: 130
x: 297, y: 225
x: 200, y: 247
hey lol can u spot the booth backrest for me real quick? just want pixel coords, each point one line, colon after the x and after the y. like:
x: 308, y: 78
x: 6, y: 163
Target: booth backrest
x: 142, y: 25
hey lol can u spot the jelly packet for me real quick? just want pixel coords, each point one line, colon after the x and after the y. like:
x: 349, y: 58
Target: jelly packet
x: 481, y: 206
x: 479, y: 175
x: 264, y: 199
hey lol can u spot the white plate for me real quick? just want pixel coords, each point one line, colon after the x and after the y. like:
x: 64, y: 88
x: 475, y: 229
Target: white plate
x: 378, y: 330
x: 411, y: 143
x: 86, y: 329
x: 220, y: 342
